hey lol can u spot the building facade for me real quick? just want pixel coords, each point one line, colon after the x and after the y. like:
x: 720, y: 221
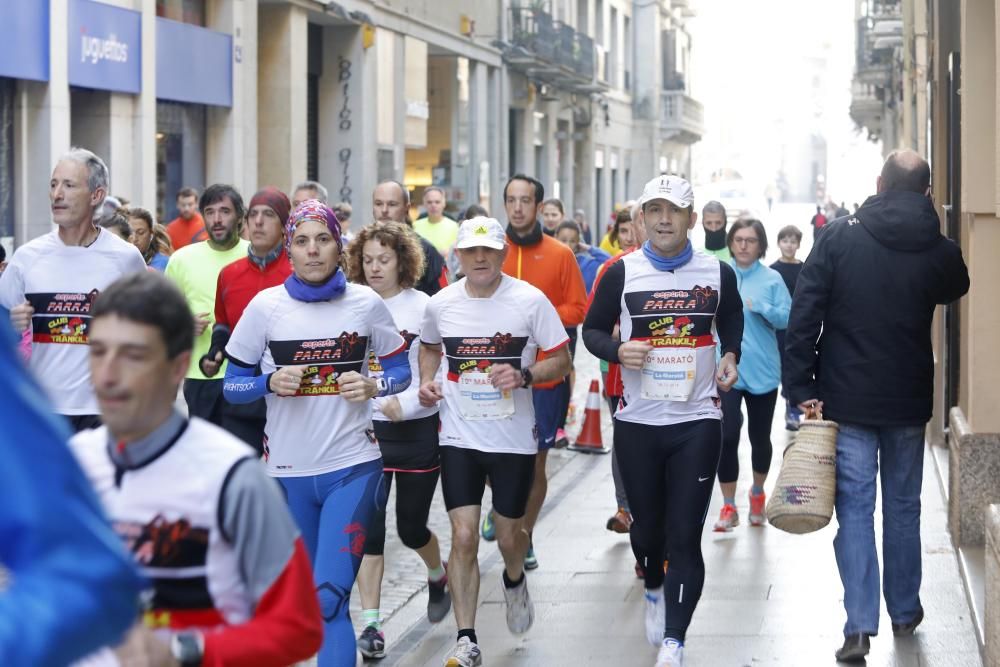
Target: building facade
x: 591, y: 96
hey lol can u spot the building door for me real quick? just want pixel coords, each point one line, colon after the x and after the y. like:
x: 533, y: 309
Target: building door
x: 952, y: 338
x: 180, y: 154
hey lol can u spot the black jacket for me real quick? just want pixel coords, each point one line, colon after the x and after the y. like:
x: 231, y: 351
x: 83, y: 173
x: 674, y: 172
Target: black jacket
x: 430, y: 281
x: 859, y: 334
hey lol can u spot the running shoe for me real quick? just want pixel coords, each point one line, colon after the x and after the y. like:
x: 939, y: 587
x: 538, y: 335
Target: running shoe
x: 671, y: 654
x: 656, y: 619
x: 438, y: 598
x: 757, y: 503
x: 530, y: 561
x: 562, y: 440
x: 621, y: 522
x: 488, y: 529
x: 371, y: 643
x: 520, y: 610
x: 465, y: 654
x: 729, y: 518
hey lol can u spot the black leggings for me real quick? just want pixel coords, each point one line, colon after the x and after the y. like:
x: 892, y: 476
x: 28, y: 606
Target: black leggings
x: 669, y: 473
x: 760, y: 414
x: 414, y: 493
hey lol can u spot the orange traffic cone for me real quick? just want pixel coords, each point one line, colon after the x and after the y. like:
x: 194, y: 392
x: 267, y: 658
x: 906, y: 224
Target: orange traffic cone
x: 590, y: 440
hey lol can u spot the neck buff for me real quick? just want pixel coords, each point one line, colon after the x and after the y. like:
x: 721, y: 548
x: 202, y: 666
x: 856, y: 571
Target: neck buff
x: 533, y: 237
x: 715, y: 240
x: 262, y: 262
x: 667, y: 263
x: 331, y: 289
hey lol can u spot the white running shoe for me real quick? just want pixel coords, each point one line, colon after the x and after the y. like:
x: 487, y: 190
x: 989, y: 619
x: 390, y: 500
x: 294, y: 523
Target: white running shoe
x: 465, y: 654
x: 671, y: 654
x: 656, y: 618
x: 520, y: 610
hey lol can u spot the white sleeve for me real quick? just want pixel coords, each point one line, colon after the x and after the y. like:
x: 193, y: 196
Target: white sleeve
x: 547, y: 328
x: 133, y: 261
x: 429, y: 331
x: 249, y: 338
x: 386, y: 340
x: 12, y: 285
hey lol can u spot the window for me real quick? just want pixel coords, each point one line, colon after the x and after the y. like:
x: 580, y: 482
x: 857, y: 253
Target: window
x: 599, y: 22
x: 581, y: 16
x: 627, y: 53
x: 185, y: 11
x: 614, y: 56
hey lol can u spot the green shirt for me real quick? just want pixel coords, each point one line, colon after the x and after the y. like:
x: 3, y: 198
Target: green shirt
x: 722, y: 254
x: 442, y: 235
x: 195, y: 269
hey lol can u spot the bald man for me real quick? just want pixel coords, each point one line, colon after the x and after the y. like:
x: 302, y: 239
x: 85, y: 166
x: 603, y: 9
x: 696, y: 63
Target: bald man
x: 871, y: 284
x: 391, y: 201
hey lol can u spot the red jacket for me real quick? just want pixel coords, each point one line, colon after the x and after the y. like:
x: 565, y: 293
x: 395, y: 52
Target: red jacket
x: 240, y: 281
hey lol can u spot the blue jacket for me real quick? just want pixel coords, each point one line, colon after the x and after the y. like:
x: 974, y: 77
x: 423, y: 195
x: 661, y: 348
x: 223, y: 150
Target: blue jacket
x: 590, y: 262
x: 765, y: 291
x: 73, y: 588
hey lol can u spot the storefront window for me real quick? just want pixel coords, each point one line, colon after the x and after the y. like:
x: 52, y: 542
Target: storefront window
x: 185, y: 11
x: 180, y: 154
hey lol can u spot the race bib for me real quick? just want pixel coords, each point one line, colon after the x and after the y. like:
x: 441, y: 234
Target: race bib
x: 478, y: 400
x: 668, y: 374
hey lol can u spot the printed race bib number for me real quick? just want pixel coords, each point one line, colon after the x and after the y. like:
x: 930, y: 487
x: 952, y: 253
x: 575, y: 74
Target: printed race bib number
x: 478, y: 400
x: 668, y: 374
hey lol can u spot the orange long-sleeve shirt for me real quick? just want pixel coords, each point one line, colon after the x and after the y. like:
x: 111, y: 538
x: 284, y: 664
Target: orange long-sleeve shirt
x: 551, y: 267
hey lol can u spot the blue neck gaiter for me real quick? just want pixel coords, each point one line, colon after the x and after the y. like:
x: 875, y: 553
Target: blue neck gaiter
x: 667, y: 263
x: 331, y: 289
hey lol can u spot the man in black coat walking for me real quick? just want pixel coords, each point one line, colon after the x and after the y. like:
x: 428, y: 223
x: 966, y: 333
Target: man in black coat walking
x: 858, y: 346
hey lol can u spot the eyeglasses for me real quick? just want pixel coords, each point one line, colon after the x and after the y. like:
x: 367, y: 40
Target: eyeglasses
x: 747, y: 242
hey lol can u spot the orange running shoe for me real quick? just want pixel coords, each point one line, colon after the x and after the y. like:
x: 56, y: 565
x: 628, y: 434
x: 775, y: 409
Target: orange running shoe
x: 729, y: 518
x: 757, y: 503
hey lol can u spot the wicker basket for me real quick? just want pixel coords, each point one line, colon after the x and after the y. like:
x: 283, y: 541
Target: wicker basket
x: 803, y: 497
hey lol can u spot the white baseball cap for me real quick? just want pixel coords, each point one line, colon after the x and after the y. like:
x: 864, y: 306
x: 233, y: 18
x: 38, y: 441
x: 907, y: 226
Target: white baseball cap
x: 481, y: 231
x: 672, y: 188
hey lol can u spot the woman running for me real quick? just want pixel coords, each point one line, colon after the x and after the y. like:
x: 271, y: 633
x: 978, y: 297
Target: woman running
x: 155, y: 248
x: 387, y: 257
x: 766, y: 303
x: 312, y: 337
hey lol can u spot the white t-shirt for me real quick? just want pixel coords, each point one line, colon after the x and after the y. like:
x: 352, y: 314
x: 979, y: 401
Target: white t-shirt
x: 316, y: 431
x: 509, y: 327
x: 407, y: 310
x: 61, y: 282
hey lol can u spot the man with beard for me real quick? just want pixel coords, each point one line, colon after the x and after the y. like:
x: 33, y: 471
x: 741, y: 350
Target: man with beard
x: 713, y: 219
x: 195, y: 269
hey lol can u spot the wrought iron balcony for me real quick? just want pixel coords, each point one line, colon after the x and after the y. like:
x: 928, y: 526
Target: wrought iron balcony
x: 682, y: 117
x: 550, y: 51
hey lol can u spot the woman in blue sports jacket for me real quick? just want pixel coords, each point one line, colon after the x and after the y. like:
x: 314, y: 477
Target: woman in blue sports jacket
x: 766, y: 304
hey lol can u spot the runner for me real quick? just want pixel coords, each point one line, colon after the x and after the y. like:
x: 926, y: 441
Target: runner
x: 491, y: 327
x: 265, y: 265
x: 311, y: 338
x: 51, y: 283
x: 669, y: 300
x: 230, y: 577
x: 387, y: 257
x: 766, y: 303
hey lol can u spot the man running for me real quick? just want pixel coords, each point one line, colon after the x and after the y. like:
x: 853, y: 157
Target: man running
x: 494, y: 330
x: 668, y: 300
x: 195, y: 269
x: 52, y: 281
x: 265, y: 265
x: 231, y: 580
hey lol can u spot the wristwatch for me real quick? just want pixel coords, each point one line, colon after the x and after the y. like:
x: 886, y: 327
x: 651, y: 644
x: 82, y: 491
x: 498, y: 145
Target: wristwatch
x: 527, y: 377
x: 381, y: 386
x: 187, y: 648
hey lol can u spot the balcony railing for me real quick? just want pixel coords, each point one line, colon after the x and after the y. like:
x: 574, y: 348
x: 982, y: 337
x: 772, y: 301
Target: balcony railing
x: 548, y: 48
x: 681, y: 115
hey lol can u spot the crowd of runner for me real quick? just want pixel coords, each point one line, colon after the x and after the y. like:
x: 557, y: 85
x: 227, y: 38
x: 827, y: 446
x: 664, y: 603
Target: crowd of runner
x: 247, y: 383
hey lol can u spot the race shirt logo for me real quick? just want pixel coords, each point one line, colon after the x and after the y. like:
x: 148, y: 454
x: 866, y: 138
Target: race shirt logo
x: 481, y: 353
x: 673, y: 318
x: 325, y: 359
x: 61, y: 317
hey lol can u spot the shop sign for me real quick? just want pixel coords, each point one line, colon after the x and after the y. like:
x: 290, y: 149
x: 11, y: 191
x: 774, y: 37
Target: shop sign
x: 105, y: 47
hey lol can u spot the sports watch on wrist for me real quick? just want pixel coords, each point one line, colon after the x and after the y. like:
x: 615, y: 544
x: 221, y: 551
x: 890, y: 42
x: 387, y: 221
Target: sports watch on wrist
x: 380, y: 386
x: 187, y: 648
x: 526, y: 377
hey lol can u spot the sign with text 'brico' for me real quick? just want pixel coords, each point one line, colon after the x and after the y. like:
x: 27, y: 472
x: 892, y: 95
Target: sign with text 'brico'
x: 105, y: 47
